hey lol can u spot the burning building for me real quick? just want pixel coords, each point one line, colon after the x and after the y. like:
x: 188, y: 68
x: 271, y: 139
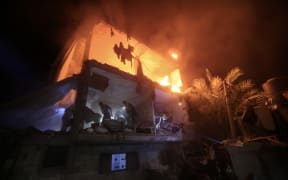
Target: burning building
x: 120, y: 70
x: 100, y: 42
x: 142, y: 68
x: 100, y: 67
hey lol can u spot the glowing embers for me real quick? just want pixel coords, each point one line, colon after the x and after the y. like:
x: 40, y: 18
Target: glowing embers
x: 174, y: 54
x: 173, y: 81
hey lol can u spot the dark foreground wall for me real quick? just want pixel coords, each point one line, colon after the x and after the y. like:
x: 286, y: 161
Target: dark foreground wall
x: 55, y: 157
x: 263, y: 161
x: 43, y: 162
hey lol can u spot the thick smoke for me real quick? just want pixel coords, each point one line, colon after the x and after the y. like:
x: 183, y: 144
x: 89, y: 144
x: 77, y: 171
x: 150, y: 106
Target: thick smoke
x: 214, y: 35
x: 208, y: 34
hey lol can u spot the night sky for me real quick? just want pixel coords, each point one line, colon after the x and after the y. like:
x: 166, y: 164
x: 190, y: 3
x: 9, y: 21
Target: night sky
x: 217, y: 35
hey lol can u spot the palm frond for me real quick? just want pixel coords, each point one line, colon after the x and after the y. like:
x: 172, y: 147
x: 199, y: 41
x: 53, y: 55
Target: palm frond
x: 244, y: 85
x: 187, y: 91
x: 216, y: 86
x: 199, y: 84
x: 208, y: 74
x: 233, y: 75
x: 251, y: 92
x: 200, y: 87
x: 208, y: 98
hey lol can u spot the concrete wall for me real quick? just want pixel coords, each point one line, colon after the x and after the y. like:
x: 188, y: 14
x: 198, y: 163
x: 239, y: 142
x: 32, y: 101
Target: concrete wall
x: 264, y: 161
x: 83, y: 162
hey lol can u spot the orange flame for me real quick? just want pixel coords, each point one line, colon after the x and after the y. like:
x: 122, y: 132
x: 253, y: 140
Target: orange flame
x: 100, y: 48
x: 174, y: 81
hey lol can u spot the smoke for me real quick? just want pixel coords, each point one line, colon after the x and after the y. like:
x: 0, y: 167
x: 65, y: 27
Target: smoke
x: 215, y: 35
x: 208, y: 35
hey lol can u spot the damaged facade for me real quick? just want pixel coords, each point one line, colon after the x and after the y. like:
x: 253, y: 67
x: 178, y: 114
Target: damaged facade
x: 85, y: 151
x: 92, y: 145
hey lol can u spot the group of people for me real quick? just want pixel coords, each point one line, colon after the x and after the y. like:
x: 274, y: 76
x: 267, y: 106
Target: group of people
x: 124, y: 118
x: 127, y: 116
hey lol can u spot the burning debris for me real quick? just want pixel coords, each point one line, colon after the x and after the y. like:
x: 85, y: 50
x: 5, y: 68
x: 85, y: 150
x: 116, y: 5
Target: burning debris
x: 124, y: 53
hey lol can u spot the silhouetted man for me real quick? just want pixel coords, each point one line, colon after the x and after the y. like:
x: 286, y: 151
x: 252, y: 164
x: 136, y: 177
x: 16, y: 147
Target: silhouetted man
x: 106, y: 111
x: 67, y: 118
x: 131, y: 114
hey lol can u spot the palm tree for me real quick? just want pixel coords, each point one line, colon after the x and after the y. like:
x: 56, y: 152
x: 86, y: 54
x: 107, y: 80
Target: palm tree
x: 218, y: 100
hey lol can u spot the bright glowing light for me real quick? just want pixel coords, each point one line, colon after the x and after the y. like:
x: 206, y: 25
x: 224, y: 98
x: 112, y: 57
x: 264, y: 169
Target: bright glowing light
x: 60, y: 110
x: 173, y: 80
x: 174, y: 55
x: 165, y: 81
x: 176, y: 81
x: 175, y: 89
x: 155, y: 66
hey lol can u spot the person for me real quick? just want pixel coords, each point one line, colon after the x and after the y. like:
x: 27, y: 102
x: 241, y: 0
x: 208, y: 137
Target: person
x: 91, y: 119
x: 106, y: 111
x: 162, y: 120
x: 67, y: 118
x: 131, y: 114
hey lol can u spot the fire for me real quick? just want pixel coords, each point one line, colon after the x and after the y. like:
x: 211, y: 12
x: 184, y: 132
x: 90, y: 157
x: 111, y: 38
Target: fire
x: 174, y: 55
x: 100, y: 48
x: 175, y: 89
x: 174, y: 81
x: 165, y: 81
